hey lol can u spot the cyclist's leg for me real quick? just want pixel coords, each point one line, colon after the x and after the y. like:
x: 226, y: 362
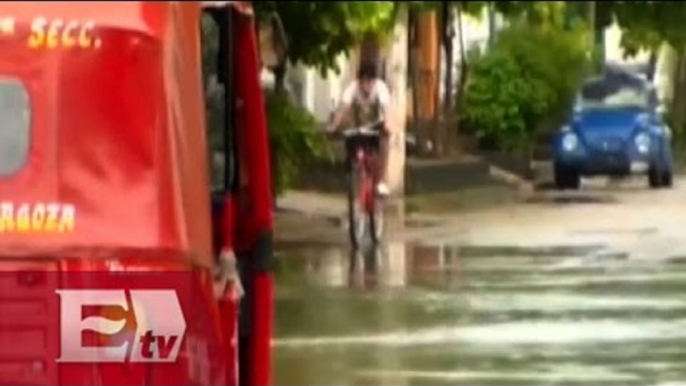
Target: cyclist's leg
x: 382, y: 164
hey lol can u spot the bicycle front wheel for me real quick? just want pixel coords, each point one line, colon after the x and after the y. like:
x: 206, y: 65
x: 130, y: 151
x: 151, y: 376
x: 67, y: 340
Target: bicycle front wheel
x: 357, y: 216
x: 377, y: 220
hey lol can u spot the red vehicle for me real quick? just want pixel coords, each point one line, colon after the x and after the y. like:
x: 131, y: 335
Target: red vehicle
x: 106, y: 226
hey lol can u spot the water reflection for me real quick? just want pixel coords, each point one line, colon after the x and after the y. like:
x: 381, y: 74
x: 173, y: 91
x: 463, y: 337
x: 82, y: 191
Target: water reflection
x: 364, y: 267
x: 447, y: 314
x: 379, y: 265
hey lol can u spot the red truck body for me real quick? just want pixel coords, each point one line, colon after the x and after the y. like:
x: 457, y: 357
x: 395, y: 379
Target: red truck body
x: 111, y: 190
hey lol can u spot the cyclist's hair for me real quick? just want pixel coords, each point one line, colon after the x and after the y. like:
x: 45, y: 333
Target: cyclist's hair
x: 367, y: 70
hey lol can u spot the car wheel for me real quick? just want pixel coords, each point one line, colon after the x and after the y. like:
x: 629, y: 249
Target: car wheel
x: 667, y: 178
x: 560, y: 178
x: 566, y: 178
x: 575, y: 181
x: 655, y: 178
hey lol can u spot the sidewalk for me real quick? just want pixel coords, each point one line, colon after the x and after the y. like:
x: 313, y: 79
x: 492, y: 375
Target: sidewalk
x: 333, y: 206
x: 308, y: 203
x: 321, y: 218
x: 304, y: 217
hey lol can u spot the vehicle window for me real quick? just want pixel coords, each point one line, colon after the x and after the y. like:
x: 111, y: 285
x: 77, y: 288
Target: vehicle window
x: 215, y: 102
x: 606, y: 94
x: 15, y: 131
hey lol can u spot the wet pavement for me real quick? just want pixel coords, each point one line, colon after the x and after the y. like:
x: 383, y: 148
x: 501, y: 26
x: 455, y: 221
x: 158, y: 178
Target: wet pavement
x: 587, y: 292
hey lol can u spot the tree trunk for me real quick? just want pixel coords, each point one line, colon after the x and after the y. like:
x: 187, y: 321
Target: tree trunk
x: 413, y: 62
x: 463, y: 64
x: 679, y: 96
x: 666, y: 72
x: 426, y: 92
x: 280, y: 78
x: 448, y: 34
x: 462, y: 82
x: 438, y: 121
x: 396, y: 70
x: 491, y: 22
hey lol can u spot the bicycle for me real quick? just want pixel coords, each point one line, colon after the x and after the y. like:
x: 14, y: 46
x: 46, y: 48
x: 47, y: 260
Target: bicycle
x: 365, y: 209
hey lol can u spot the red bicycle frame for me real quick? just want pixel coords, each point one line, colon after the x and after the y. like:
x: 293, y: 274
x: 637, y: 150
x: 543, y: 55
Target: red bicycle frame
x: 367, y: 166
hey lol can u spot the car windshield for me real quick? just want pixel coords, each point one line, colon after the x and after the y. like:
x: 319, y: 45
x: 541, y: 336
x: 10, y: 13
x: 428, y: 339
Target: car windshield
x: 609, y: 94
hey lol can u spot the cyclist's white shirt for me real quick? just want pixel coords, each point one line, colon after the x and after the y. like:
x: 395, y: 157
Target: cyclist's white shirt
x: 380, y: 90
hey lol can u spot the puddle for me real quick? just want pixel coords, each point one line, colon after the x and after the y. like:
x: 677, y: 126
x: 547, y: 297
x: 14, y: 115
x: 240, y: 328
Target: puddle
x: 465, y: 315
x: 421, y: 223
x: 617, y: 231
x: 475, y: 376
x: 508, y: 334
x: 544, y: 251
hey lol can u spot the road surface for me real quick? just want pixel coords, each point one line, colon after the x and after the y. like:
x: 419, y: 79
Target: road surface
x: 574, y: 288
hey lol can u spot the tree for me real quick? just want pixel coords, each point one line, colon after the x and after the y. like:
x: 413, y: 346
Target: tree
x: 432, y: 31
x: 472, y: 8
x: 425, y: 55
x: 447, y: 34
x: 450, y: 11
x: 647, y: 25
x: 516, y: 94
x: 319, y: 32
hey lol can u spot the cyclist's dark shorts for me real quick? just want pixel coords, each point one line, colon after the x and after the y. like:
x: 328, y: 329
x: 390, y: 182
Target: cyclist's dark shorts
x: 371, y: 143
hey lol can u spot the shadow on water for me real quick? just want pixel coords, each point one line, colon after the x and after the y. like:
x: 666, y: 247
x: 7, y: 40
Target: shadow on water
x: 568, y: 198
x: 454, y: 314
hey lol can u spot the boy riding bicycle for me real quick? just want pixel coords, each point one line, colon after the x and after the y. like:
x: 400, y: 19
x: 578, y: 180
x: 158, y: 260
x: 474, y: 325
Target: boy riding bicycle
x: 367, y: 100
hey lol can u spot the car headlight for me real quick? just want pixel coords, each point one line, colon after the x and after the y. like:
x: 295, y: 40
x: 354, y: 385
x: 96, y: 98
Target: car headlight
x: 642, y: 141
x: 570, y: 141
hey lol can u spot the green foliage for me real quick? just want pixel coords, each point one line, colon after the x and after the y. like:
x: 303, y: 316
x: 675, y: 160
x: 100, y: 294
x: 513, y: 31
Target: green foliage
x: 643, y: 25
x: 472, y: 8
x: 319, y: 31
x: 647, y: 24
x: 542, y: 14
x: 295, y: 140
x: 524, y: 85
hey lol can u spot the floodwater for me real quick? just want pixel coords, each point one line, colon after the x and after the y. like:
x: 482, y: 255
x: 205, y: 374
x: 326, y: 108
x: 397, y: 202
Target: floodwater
x: 413, y: 314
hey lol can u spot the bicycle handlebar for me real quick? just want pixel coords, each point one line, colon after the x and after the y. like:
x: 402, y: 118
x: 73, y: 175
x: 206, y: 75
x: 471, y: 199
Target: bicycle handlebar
x: 372, y: 129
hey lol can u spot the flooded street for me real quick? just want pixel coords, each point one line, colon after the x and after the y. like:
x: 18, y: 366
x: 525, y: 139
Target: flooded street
x: 593, y: 295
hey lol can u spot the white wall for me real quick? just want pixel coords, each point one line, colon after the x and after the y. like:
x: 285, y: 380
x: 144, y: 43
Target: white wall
x: 613, y: 49
x: 316, y: 93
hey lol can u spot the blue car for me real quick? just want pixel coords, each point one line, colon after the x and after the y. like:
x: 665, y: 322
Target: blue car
x: 616, y: 129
